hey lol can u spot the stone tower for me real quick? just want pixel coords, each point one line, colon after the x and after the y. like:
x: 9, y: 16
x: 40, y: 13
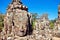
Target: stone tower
x: 57, y: 23
x: 16, y: 20
x: 59, y: 12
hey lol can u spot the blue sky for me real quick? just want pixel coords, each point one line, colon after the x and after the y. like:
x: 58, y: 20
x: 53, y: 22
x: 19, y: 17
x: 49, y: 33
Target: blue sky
x: 36, y: 6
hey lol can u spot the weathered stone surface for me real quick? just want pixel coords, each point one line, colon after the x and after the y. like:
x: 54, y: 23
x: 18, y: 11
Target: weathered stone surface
x: 17, y: 25
x: 16, y: 21
x: 55, y: 38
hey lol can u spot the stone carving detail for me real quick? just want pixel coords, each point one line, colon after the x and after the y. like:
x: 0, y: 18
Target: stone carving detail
x: 57, y: 24
x: 16, y: 19
x: 17, y: 25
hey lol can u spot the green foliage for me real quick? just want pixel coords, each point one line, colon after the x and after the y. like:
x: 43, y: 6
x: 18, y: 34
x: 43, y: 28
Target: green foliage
x: 33, y: 24
x: 34, y: 16
x: 51, y: 25
x: 54, y: 20
x: 1, y: 21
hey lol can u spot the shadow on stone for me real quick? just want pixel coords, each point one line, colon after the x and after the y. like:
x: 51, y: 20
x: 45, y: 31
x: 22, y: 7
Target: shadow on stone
x: 29, y: 26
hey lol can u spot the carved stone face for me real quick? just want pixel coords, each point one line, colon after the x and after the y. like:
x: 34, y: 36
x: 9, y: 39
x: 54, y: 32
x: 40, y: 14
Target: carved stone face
x: 20, y: 22
x: 20, y: 31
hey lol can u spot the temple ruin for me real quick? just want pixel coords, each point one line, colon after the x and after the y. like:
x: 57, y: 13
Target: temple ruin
x: 18, y: 24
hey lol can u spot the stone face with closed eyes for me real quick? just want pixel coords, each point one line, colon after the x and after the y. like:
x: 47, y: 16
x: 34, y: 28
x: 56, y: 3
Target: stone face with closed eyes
x: 16, y: 19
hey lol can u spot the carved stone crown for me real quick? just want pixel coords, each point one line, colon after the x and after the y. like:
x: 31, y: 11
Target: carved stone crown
x: 17, y: 4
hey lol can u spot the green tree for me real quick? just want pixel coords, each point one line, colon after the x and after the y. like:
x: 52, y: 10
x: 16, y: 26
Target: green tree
x: 34, y: 17
x: 1, y: 21
x: 52, y: 23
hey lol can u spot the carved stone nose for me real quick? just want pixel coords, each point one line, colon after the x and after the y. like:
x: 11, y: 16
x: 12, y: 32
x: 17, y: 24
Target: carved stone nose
x: 22, y: 27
